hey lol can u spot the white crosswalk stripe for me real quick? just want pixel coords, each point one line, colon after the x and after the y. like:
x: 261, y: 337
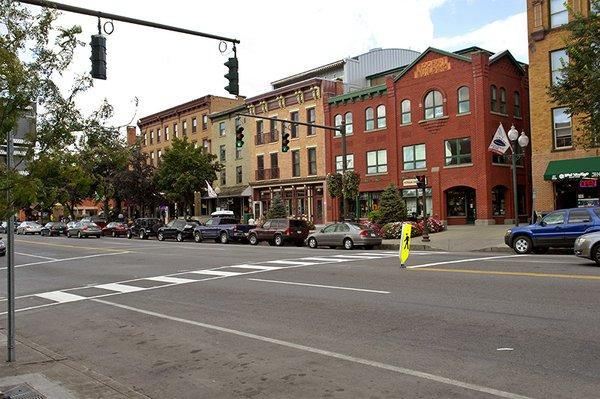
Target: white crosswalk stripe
x: 216, y: 273
x: 119, y: 287
x: 256, y: 267
x: 172, y: 280
x: 323, y: 259
x: 59, y: 296
x: 357, y: 257
x: 291, y: 262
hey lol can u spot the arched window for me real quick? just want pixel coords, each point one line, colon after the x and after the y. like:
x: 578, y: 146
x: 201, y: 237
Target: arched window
x: 405, y: 106
x: 517, y: 106
x: 381, y: 116
x: 494, y: 98
x: 464, y: 102
x: 348, y: 117
x: 503, y: 100
x: 337, y: 121
x: 434, y: 107
x: 369, y: 119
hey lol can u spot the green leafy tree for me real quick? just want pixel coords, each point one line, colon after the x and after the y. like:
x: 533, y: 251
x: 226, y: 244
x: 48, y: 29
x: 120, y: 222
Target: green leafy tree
x: 184, y: 170
x: 351, y: 182
x: 334, y: 184
x: 393, y: 208
x: 579, y: 90
x: 135, y: 184
x: 277, y: 209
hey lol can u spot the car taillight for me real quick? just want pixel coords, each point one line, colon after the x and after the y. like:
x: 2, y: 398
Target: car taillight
x: 364, y: 233
x: 288, y: 231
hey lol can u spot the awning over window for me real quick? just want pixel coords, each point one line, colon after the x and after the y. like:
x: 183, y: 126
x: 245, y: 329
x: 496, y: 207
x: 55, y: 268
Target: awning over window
x: 580, y: 168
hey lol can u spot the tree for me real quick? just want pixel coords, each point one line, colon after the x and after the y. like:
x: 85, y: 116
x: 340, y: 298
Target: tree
x: 277, y: 209
x: 393, y: 208
x: 334, y: 184
x: 579, y: 88
x: 135, y: 184
x: 184, y: 170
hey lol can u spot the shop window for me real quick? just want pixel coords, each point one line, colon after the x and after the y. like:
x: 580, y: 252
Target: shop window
x: 413, y: 199
x: 377, y: 162
x: 339, y: 164
x: 434, y: 107
x: 517, y: 105
x: 494, y: 98
x: 381, y: 116
x: 294, y: 117
x: 499, y: 200
x: 405, y: 111
x: 368, y: 201
x: 458, y: 151
x: 295, y: 163
x: 456, y: 203
x: 414, y: 157
x: 369, y: 119
x: 559, y: 15
x: 503, y: 100
x: 464, y: 101
x: 558, y: 59
x: 561, y: 122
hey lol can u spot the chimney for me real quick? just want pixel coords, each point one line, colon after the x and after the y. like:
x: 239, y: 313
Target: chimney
x: 131, y: 135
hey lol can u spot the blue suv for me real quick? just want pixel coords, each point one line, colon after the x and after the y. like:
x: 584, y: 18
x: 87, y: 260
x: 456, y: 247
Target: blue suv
x: 557, y: 229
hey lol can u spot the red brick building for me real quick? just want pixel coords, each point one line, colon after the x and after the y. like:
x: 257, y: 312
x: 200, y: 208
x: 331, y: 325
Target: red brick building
x: 437, y: 117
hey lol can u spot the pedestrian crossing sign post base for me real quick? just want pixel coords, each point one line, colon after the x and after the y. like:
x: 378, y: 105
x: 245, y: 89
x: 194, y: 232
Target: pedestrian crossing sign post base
x: 404, y: 244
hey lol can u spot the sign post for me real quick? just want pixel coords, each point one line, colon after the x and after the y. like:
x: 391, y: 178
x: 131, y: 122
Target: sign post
x: 404, y: 244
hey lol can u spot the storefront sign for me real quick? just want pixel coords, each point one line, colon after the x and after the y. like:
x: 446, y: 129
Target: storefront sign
x: 576, y: 175
x: 588, y: 183
x: 409, y: 182
x: 432, y: 67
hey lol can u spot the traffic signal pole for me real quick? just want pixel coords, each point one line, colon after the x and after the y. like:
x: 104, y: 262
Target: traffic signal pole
x: 10, y: 256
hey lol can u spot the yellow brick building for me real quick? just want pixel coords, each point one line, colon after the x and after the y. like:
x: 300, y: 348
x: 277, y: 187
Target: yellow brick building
x: 564, y: 175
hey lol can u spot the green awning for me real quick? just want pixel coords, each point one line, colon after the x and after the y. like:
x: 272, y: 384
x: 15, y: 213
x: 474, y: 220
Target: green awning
x: 580, y: 168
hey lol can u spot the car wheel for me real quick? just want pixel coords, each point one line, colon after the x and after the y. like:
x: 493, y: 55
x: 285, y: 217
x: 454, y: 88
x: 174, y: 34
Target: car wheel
x: 68, y: 234
x: 142, y: 234
x: 197, y: 237
x: 312, y: 242
x: 278, y: 240
x: 114, y: 233
x: 79, y: 234
x: 595, y: 252
x: 522, y: 245
x: 348, y: 244
x: 161, y: 237
x: 253, y: 239
x: 224, y: 237
x: 179, y: 237
x: 129, y: 235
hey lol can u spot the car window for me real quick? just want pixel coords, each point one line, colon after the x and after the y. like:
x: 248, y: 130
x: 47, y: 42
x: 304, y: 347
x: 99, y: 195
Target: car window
x: 267, y: 225
x: 555, y: 218
x: 48, y: 225
x: 329, y: 229
x: 170, y: 224
x: 579, y: 216
x: 342, y: 228
x: 297, y: 224
x: 228, y: 221
x: 597, y: 212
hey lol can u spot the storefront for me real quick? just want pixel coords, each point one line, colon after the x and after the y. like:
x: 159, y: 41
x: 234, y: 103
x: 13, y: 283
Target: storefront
x: 576, y: 182
x: 299, y: 200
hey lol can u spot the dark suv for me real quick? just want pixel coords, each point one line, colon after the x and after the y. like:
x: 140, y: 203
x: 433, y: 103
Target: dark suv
x: 144, y: 228
x: 178, y: 229
x: 279, y: 231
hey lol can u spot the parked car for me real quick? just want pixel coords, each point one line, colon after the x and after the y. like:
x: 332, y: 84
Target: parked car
x: 223, y: 228
x: 279, y: 231
x: 178, y: 229
x: 53, y: 228
x: 71, y: 224
x: 557, y: 229
x: 2, y: 247
x: 347, y: 235
x: 115, y: 229
x: 588, y: 246
x: 29, y: 228
x: 3, y: 227
x: 84, y: 229
x: 144, y: 228
x: 99, y: 220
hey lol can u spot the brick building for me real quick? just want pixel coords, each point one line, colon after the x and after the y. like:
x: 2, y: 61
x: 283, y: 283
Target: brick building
x: 564, y: 175
x: 436, y: 117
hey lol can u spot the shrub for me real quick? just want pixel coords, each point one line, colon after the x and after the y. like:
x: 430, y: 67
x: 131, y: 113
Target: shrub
x: 392, y: 231
x: 375, y: 227
x: 277, y: 209
x: 309, y: 223
x: 393, y: 208
x: 374, y: 216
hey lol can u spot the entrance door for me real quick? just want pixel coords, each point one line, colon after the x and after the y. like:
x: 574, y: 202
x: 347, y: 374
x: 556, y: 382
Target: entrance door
x: 470, y: 200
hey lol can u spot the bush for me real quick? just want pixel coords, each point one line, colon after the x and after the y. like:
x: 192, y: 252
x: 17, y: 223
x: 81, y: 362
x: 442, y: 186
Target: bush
x: 393, y: 208
x: 277, y: 209
x: 393, y: 231
x: 374, y: 216
x: 309, y: 223
x: 375, y: 227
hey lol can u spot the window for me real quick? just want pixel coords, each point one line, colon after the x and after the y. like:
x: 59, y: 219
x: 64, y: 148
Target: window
x: 238, y: 174
x: 503, y: 100
x: 579, y: 216
x: 158, y: 155
x: 158, y: 135
x: 561, y: 122
x: 166, y: 133
x: 499, y: 200
x: 312, y: 161
x: 223, y: 178
x: 175, y: 131
x: 259, y: 133
x: 414, y: 157
x: 311, y: 117
x: 206, y: 144
x: 464, y: 101
x: 339, y: 166
x: 274, y: 160
x: 151, y: 136
x: 494, y: 98
x: 296, y: 163
x: 204, y: 122
x: 369, y: 119
x: 184, y: 128
x: 221, y: 129
x: 433, y: 105
x: 238, y: 153
x: 554, y: 218
x: 194, y: 125
x: 517, y: 105
x: 273, y: 127
x: 260, y: 162
x: 377, y: 162
x: 222, y: 153
x: 557, y: 59
x: 348, y: 117
x: 405, y: 112
x: 337, y: 122
x: 145, y: 142
x: 152, y: 157
x: 381, y: 116
x: 458, y: 151
x: 294, y: 116
x: 594, y: 8
x: 558, y: 13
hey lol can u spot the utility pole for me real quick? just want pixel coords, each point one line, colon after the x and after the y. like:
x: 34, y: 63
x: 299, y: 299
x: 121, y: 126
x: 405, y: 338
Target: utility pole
x: 10, y: 258
x: 344, y: 168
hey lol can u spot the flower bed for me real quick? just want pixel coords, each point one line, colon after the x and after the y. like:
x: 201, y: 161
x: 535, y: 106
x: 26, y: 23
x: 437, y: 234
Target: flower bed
x: 393, y: 231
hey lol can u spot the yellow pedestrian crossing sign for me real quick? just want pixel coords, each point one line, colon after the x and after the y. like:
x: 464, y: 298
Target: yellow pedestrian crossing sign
x: 405, y: 243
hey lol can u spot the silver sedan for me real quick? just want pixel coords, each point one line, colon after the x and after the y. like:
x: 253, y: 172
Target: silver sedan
x: 347, y: 235
x: 588, y: 246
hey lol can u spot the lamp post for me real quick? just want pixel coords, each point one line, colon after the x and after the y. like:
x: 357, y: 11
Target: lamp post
x: 522, y: 141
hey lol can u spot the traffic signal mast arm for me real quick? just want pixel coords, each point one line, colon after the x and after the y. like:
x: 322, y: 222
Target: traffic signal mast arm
x: 338, y: 129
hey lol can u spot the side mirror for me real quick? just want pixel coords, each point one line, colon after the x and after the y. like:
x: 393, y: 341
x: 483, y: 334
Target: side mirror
x: 543, y: 224
x: 322, y: 230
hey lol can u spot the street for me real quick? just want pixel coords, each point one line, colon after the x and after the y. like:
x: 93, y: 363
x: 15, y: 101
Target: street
x: 207, y: 320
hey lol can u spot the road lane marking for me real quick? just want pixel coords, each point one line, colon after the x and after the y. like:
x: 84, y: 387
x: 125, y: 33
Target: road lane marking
x: 323, y: 259
x: 362, y: 257
x: 257, y: 267
x: 323, y: 352
x: 69, y: 259
x: 319, y: 286
x: 216, y: 273
x: 521, y: 274
x: 172, y: 280
x: 119, y: 287
x: 67, y: 246
x: 291, y: 262
x: 449, y: 262
x: 61, y: 297
x: 35, y: 256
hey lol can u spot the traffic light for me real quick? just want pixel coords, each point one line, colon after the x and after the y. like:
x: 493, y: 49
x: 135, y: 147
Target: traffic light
x: 233, y: 86
x: 98, y: 57
x: 285, y: 141
x: 421, y: 181
x: 239, y: 136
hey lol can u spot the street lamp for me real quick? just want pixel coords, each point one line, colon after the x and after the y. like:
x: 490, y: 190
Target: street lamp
x: 522, y: 141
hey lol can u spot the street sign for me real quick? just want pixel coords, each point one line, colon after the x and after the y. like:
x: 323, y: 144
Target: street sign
x: 409, y: 182
x: 405, y: 243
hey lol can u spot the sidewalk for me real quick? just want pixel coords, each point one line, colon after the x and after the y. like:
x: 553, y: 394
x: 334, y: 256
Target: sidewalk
x: 460, y: 239
x: 55, y: 376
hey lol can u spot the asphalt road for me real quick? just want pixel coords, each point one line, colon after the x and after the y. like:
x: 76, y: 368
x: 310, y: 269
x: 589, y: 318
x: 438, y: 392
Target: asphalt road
x: 207, y: 320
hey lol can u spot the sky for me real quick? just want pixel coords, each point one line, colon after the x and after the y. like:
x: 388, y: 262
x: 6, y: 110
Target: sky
x: 162, y: 69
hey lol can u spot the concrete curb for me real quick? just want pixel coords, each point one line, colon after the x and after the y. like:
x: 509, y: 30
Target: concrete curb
x: 425, y: 247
